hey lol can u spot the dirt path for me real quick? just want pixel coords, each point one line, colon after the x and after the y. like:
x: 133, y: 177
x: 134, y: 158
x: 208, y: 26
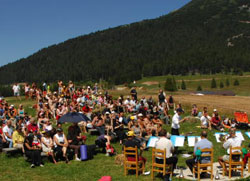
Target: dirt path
x: 227, y: 104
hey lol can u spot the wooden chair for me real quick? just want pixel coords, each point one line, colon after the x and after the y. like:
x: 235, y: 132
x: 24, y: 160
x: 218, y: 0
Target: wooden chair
x: 233, y: 164
x: 248, y: 164
x: 137, y: 165
x: 160, y: 168
x: 204, y: 167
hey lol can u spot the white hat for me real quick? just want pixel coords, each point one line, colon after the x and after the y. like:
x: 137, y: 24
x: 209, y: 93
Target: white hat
x: 113, y: 112
x: 140, y: 114
x: 215, y: 110
x: 107, y: 112
x: 88, y: 87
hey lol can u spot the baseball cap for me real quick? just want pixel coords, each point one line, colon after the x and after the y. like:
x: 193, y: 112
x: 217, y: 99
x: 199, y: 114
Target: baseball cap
x: 130, y: 133
x: 215, y: 110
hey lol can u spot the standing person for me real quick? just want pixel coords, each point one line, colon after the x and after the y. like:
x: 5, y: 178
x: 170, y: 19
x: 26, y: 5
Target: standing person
x: 32, y: 151
x: 27, y: 90
x: 176, y: 120
x: 7, y: 132
x: 165, y: 144
x: 202, y: 144
x: 16, y: 90
x: 133, y: 93
x: 161, y: 96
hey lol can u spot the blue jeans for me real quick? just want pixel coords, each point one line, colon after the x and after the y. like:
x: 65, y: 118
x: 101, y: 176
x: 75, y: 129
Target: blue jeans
x: 11, y: 142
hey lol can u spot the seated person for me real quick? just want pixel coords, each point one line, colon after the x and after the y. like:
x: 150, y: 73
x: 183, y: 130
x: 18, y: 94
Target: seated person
x: 132, y: 142
x: 194, y: 111
x: 98, y: 123
x: 47, y: 126
x: 75, y: 139
x: 165, y: 144
x: 157, y: 122
x: 108, y: 122
x: 32, y: 126
x: 202, y: 144
x: 18, y: 138
x: 216, y: 122
x: 32, y: 151
x: 2, y: 138
x: 47, y: 145
x: 206, y: 121
x: 7, y: 132
x: 61, y: 144
x: 226, y: 122
x: 139, y: 134
x: 118, y: 129
x: 232, y: 141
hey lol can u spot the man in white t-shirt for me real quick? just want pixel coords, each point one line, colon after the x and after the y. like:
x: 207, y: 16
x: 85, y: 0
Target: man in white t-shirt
x: 176, y: 120
x: 16, y: 90
x: 233, y: 141
x: 206, y: 121
x: 7, y: 132
x: 165, y: 144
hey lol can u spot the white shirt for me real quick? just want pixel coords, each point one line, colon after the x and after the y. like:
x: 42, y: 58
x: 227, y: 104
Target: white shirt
x: 120, y: 119
x: 8, y: 130
x: 205, y: 120
x: 16, y: 88
x: 26, y: 88
x: 233, y: 142
x: 165, y: 144
x: 175, y: 121
x: 126, y: 101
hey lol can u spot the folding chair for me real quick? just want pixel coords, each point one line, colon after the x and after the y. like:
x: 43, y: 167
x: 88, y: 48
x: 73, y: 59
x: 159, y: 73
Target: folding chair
x: 232, y: 163
x: 204, y: 167
x: 136, y: 164
x: 160, y: 168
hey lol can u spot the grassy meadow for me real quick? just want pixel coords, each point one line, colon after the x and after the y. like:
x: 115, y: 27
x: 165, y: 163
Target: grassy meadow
x: 16, y: 168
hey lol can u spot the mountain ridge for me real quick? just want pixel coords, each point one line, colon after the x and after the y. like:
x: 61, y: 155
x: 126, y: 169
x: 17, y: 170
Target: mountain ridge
x: 196, y: 38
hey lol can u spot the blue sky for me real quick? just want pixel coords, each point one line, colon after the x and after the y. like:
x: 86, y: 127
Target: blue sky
x: 27, y: 26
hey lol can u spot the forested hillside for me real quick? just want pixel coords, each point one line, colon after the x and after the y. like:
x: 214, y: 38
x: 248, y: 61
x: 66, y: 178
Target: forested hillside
x: 205, y: 36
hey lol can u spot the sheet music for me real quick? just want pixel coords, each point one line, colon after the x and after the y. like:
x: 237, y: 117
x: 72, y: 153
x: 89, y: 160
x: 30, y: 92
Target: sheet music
x: 239, y: 134
x: 248, y: 134
x: 179, y: 141
x: 217, y: 136
x: 191, y: 140
x: 152, y: 141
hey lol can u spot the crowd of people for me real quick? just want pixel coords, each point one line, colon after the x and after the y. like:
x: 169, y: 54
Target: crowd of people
x: 129, y: 120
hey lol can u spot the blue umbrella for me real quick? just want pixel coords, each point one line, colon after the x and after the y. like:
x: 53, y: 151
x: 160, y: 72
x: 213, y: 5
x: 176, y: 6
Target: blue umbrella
x: 73, y: 117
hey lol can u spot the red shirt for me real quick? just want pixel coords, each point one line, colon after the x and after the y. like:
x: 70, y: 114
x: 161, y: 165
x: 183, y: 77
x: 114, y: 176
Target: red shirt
x: 215, y: 120
x: 86, y: 109
x: 32, y: 127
